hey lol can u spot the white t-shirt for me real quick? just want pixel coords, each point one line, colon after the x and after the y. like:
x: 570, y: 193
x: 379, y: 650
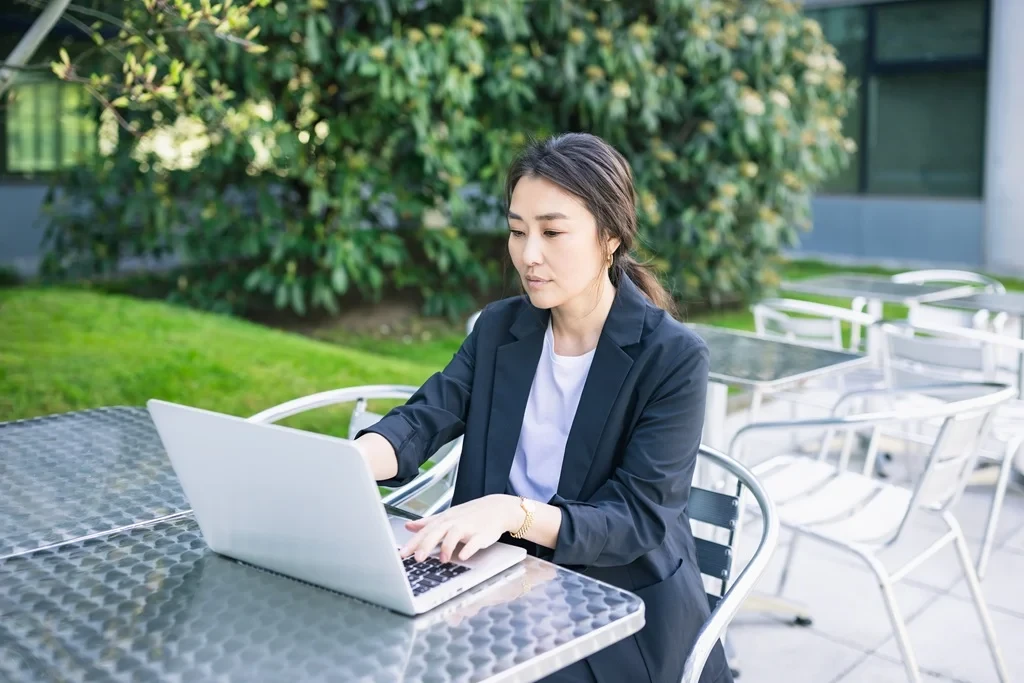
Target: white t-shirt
x: 550, y: 410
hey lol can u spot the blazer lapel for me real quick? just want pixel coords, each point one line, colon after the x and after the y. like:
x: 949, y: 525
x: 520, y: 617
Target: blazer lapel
x: 514, y: 370
x: 608, y: 371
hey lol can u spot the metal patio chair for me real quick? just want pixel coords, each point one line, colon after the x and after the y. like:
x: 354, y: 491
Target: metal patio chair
x: 832, y: 503
x: 436, y: 476
x: 913, y: 355
x: 721, y: 512
x: 934, y: 314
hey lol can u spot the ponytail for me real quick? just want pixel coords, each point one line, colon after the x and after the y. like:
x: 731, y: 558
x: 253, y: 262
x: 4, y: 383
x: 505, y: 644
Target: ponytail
x: 645, y: 280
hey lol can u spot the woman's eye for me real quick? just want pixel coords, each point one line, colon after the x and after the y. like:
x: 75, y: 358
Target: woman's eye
x: 516, y: 233
x: 551, y: 233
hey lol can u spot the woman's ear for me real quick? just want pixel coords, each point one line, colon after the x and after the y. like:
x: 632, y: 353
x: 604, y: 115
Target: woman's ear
x: 613, y: 245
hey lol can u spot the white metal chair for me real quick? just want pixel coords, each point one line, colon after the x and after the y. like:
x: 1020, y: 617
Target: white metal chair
x: 814, y: 324
x: 933, y: 314
x: 834, y: 504
x: 436, y: 476
x: 715, y: 555
x: 915, y: 355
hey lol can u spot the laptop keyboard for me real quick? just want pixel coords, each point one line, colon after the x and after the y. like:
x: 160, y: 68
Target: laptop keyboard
x: 430, y: 573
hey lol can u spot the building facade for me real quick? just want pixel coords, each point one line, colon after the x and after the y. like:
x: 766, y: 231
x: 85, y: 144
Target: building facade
x: 939, y: 122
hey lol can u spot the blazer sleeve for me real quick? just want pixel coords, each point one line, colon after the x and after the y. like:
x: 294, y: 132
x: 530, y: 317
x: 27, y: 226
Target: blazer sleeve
x: 631, y: 513
x: 433, y: 416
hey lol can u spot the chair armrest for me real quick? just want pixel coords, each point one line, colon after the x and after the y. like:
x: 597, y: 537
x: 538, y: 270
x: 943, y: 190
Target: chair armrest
x: 332, y: 397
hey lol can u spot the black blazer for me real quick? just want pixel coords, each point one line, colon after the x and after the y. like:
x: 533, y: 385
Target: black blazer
x: 628, y: 464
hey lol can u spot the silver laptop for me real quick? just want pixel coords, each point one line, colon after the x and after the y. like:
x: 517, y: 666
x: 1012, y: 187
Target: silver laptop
x: 306, y: 505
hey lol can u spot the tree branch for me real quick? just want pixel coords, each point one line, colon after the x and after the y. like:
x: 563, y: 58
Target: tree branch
x: 31, y: 41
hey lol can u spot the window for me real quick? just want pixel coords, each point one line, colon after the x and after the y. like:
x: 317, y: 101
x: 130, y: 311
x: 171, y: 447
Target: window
x: 47, y: 125
x: 920, y: 114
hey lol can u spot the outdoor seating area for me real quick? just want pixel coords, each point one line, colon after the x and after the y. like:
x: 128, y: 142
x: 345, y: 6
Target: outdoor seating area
x: 860, y: 500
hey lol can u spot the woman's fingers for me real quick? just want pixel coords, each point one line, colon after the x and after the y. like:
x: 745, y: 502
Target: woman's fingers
x: 431, y: 536
x: 474, y: 544
x: 451, y: 540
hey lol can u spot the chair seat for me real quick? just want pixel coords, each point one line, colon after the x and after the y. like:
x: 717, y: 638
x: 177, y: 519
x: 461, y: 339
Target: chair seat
x: 844, y: 507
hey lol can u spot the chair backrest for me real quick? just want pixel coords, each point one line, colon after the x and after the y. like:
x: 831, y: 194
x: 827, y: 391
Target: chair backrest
x: 715, y: 558
x: 441, y: 467
x: 940, y: 316
x: 809, y: 322
x: 912, y: 356
x: 951, y: 459
x: 960, y: 277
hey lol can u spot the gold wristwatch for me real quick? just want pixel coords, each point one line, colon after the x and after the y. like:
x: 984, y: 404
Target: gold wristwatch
x: 528, y: 507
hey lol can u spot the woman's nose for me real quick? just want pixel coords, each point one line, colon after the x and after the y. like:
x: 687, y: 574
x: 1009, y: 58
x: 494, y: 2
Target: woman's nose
x: 533, y: 252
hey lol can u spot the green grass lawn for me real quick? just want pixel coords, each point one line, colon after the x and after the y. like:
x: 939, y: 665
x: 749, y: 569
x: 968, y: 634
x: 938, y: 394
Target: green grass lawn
x: 66, y: 350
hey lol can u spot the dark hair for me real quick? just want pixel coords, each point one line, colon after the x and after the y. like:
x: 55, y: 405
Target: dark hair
x: 589, y: 168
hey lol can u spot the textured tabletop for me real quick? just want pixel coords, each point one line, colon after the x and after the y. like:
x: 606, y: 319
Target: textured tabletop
x: 874, y: 287
x: 71, y: 475
x: 742, y: 358
x: 154, y: 603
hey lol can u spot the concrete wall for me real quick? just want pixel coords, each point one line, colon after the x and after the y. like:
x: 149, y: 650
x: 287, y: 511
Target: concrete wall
x: 906, y: 231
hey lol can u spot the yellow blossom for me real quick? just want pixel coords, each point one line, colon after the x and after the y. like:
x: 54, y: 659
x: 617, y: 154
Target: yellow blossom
x: 475, y: 70
x: 661, y: 71
x: 680, y: 70
x: 415, y: 36
x: 378, y: 53
x: 779, y: 99
x: 435, y: 30
x: 773, y: 28
x: 477, y: 27
x: 767, y: 215
x: 787, y: 83
x: 717, y: 206
x: 577, y: 36
x: 812, y: 78
x: 729, y: 190
x: 850, y: 145
x: 604, y: 36
x: 591, y: 16
x: 621, y: 89
x: 816, y: 62
x: 748, y: 24
x: 739, y: 76
x: 639, y: 30
x: 748, y: 169
x: 700, y: 31
x: 518, y: 71
x: 708, y: 127
x: 808, y: 138
x: 594, y: 73
x: 751, y: 102
x: 519, y: 50
x: 812, y: 27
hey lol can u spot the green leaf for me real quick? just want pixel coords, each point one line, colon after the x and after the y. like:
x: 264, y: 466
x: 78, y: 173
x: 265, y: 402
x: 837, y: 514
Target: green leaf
x: 339, y: 279
x: 312, y: 40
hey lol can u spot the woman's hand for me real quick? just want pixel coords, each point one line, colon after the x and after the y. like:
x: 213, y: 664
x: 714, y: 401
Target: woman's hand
x: 477, y: 524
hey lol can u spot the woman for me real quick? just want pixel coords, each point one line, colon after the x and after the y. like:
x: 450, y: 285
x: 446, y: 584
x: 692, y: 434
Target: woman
x: 582, y: 406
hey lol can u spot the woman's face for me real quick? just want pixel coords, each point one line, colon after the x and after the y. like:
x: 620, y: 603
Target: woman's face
x: 554, y: 244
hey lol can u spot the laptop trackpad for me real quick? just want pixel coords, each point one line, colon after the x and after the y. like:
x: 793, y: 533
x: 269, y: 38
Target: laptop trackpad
x: 398, y: 529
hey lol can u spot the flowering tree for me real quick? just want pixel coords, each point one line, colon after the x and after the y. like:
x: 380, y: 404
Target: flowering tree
x: 366, y: 146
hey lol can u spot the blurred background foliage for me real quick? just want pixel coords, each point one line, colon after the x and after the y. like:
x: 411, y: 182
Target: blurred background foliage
x: 304, y: 152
